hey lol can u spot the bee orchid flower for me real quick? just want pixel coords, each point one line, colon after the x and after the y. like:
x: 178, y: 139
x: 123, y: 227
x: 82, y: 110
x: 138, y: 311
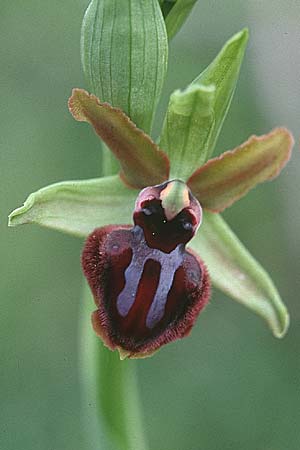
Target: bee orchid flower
x: 155, y: 235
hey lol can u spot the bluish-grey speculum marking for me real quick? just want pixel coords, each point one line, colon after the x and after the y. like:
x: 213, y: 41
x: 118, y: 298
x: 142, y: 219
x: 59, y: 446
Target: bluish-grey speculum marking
x: 169, y: 263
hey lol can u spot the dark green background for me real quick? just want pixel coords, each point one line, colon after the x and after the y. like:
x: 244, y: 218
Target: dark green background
x: 231, y: 385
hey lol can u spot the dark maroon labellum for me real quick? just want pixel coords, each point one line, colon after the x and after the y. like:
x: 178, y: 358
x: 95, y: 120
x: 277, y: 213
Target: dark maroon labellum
x: 147, y: 287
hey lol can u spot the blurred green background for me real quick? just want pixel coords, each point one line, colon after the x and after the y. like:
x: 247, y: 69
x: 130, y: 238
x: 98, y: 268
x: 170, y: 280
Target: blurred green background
x: 229, y: 386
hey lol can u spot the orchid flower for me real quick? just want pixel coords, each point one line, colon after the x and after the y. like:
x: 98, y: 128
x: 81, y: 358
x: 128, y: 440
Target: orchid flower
x: 155, y: 236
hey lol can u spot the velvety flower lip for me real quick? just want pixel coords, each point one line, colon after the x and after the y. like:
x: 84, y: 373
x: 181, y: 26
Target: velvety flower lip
x: 128, y: 336
x: 165, y: 191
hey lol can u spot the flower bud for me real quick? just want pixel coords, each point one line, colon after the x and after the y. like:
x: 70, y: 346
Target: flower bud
x: 124, y: 52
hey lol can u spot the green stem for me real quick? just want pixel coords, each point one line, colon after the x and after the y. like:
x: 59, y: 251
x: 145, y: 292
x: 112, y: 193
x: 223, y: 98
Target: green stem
x: 89, y: 350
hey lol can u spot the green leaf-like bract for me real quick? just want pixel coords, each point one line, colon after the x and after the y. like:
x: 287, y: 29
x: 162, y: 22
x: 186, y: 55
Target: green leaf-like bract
x: 124, y: 52
x: 78, y: 207
x: 195, y: 116
x: 234, y: 271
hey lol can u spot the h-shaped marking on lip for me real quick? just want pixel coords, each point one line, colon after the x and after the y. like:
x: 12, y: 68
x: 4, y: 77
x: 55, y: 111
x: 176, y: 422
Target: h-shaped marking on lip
x: 169, y: 263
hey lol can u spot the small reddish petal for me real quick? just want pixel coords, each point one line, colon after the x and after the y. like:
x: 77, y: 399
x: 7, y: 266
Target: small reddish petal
x: 224, y: 179
x: 142, y: 161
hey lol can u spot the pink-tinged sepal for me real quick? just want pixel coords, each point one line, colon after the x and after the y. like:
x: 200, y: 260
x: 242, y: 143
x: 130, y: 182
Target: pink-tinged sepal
x: 145, y: 297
